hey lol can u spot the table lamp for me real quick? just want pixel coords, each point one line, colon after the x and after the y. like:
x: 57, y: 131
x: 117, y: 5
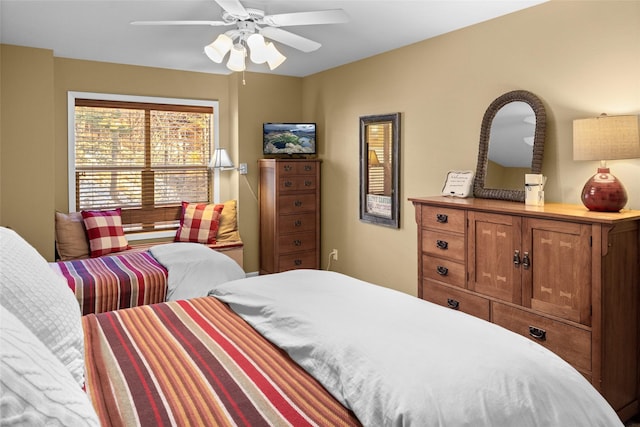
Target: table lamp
x: 605, y: 138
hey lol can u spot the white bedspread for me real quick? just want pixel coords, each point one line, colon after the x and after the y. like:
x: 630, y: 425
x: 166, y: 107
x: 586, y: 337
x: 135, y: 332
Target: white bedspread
x: 396, y: 360
x: 194, y: 269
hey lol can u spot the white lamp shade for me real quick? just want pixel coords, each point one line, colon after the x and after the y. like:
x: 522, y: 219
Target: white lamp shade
x: 236, y: 58
x: 257, y: 48
x: 274, y: 57
x: 220, y: 159
x: 219, y: 48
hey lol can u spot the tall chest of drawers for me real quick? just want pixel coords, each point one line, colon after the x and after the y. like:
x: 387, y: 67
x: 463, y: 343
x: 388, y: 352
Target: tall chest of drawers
x: 289, y: 214
x: 558, y: 274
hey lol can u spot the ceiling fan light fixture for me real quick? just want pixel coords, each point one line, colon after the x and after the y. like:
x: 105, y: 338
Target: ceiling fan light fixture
x: 236, y: 58
x: 257, y: 48
x: 219, y: 48
x: 274, y: 57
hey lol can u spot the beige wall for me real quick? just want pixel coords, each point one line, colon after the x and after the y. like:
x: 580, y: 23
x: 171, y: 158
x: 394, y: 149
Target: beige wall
x: 581, y: 58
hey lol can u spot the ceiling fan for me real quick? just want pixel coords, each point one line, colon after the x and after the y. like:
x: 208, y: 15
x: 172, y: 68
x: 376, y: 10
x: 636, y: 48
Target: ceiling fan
x: 252, y: 26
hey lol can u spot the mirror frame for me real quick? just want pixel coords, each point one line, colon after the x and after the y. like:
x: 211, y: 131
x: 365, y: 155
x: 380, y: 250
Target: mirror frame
x: 365, y: 216
x: 479, y: 189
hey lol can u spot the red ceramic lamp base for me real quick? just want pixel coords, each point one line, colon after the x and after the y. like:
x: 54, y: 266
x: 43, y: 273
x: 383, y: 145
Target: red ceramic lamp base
x: 604, y: 193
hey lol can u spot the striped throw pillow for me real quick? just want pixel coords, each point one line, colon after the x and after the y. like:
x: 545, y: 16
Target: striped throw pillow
x: 199, y: 222
x: 105, y: 233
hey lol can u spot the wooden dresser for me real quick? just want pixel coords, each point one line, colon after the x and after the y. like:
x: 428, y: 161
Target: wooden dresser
x: 289, y: 214
x: 565, y: 277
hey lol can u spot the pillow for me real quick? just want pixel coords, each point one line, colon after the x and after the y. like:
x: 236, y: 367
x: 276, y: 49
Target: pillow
x: 71, y: 236
x: 199, y: 223
x: 42, y: 300
x: 105, y: 232
x: 228, y: 228
x: 35, y: 388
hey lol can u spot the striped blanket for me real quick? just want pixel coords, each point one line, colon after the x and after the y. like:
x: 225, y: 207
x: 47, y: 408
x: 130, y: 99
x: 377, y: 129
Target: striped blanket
x: 195, y: 362
x: 114, y: 282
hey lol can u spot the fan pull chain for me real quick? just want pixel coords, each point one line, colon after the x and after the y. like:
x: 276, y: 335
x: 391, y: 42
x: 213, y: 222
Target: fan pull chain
x: 243, y: 82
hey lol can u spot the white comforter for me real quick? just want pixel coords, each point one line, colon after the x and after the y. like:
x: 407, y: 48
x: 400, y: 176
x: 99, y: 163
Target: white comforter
x: 194, y: 269
x: 396, y: 360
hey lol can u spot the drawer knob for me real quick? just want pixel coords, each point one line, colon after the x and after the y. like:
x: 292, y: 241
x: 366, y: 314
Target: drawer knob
x: 288, y: 167
x: 297, y: 242
x: 308, y: 167
x: 297, y: 223
x: 537, y: 333
x: 288, y: 183
x: 297, y: 203
x: 308, y: 183
x: 453, y: 304
x: 442, y: 244
x: 443, y: 271
x: 297, y: 262
x: 442, y: 218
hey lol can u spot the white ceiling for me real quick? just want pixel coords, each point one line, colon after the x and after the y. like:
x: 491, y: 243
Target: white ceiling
x: 101, y: 31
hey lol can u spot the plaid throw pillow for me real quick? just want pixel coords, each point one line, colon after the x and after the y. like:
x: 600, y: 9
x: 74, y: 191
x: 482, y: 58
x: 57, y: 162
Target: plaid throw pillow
x: 104, y: 229
x: 199, y: 223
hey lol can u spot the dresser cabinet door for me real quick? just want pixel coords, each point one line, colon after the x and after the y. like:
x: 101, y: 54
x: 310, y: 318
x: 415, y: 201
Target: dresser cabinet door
x: 494, y: 258
x: 557, y: 279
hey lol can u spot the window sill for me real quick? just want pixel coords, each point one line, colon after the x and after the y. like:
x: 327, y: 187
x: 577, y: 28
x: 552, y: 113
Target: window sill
x: 150, y: 235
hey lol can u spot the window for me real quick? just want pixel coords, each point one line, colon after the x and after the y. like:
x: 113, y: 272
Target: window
x: 144, y: 155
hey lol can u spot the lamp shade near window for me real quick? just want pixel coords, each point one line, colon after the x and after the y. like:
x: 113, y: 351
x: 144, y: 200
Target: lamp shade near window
x: 606, y: 138
x: 221, y: 160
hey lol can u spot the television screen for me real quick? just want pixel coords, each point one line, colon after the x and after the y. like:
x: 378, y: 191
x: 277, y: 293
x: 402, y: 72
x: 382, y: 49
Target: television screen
x: 289, y: 138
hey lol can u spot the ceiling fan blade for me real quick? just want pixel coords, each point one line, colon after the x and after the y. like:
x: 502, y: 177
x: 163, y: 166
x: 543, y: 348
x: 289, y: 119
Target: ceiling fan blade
x: 234, y: 8
x: 290, y: 39
x: 334, y: 16
x: 211, y: 23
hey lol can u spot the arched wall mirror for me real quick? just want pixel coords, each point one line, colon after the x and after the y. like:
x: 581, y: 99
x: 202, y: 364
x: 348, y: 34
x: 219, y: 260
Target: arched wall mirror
x: 511, y: 145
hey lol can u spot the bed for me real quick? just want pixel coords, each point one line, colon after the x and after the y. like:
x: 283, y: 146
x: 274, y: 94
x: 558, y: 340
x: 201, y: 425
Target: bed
x: 107, y: 272
x: 303, y: 347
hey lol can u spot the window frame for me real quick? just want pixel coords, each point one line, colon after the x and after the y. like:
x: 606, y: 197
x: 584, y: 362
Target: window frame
x: 71, y: 170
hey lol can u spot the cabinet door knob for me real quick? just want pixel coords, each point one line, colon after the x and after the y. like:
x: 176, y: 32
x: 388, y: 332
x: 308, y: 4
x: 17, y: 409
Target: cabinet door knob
x: 452, y: 303
x: 443, y: 271
x: 516, y: 257
x: 442, y: 244
x: 526, y: 261
x: 537, y: 333
x: 442, y: 218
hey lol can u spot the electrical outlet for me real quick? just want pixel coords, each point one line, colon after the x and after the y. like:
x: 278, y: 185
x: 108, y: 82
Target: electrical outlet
x: 334, y: 254
x: 243, y: 169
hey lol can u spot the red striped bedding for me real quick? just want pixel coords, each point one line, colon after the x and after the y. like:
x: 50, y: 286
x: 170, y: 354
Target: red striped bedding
x: 114, y: 282
x: 195, y: 362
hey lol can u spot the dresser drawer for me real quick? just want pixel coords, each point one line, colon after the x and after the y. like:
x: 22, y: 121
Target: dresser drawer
x: 455, y: 299
x: 443, y: 244
x: 297, y: 223
x: 297, y: 183
x: 297, y: 242
x: 444, y: 270
x: 452, y: 220
x: 298, y: 260
x: 297, y: 203
x: 569, y: 342
x: 297, y: 168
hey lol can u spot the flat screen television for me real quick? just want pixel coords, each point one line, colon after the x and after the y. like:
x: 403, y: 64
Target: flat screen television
x: 289, y: 139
